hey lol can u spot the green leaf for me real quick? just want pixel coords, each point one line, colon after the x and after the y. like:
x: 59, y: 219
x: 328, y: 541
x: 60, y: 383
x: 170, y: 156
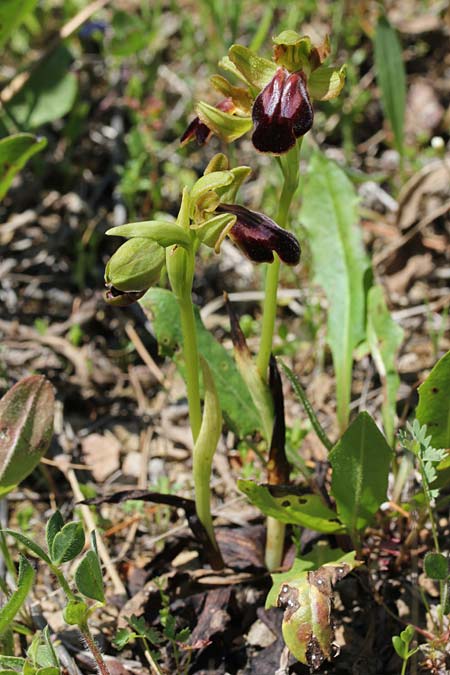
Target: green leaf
x: 320, y: 555
x: 235, y: 400
x: 399, y: 646
x: 15, y: 602
x: 384, y: 336
x: 340, y: 265
x: 15, y: 151
x: 88, y: 577
x: 30, y: 544
x: 12, y: 13
x: 391, y: 78
x: 68, y: 543
x: 54, y: 525
x: 436, y: 566
x: 26, y: 423
x: 306, y: 510
x: 164, y: 233
x: 48, y: 94
x: 11, y: 662
x: 360, y: 462
x: 434, y: 403
x: 122, y: 638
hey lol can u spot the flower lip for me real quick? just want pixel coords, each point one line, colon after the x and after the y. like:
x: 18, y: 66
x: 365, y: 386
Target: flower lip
x: 258, y: 236
x: 114, y: 296
x: 282, y: 112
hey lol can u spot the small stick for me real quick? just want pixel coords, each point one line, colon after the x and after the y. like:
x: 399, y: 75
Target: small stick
x: 143, y: 353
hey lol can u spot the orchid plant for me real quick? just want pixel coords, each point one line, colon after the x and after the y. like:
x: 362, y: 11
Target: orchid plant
x: 274, y: 98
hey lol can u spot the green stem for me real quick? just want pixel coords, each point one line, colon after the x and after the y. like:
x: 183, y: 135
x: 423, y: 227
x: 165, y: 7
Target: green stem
x: 191, y: 361
x: 290, y: 167
x: 405, y: 662
x: 63, y: 582
x: 271, y: 285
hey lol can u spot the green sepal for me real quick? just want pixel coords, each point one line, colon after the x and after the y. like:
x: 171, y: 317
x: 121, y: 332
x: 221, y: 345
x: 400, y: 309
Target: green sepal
x: 228, y: 194
x: 240, y: 96
x: 256, y: 70
x: 136, y: 265
x: 165, y: 233
x: 75, y: 612
x: 228, y: 127
x: 217, y: 163
x: 326, y: 82
x: 213, y: 231
x: 210, y: 183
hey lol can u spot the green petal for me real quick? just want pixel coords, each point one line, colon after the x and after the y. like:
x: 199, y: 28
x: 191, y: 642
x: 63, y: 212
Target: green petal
x: 240, y: 96
x: 326, y: 82
x: 257, y: 71
x: 228, y: 127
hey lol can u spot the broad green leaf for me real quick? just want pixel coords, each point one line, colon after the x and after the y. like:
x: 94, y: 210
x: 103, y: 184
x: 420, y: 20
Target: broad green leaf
x: 306, y: 510
x: 12, y: 13
x: 436, y: 566
x: 68, y: 543
x: 307, y: 600
x: 48, y: 94
x: 15, y: 602
x: 54, y: 525
x: 434, y: 403
x: 360, y: 461
x: 26, y: 428
x: 391, y: 78
x: 88, y: 577
x: 15, y: 151
x: 384, y: 336
x: 320, y: 555
x: 235, y: 400
x: 30, y: 545
x: 340, y: 265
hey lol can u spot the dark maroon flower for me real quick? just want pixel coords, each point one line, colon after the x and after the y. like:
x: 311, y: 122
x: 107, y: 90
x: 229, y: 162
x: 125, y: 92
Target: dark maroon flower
x: 201, y: 132
x: 282, y: 112
x: 258, y: 236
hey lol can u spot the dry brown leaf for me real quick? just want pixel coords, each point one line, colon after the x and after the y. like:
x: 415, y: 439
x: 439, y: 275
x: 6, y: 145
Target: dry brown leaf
x: 101, y: 453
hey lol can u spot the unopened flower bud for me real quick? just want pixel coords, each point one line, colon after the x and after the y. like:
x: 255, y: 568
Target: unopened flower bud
x: 134, y: 267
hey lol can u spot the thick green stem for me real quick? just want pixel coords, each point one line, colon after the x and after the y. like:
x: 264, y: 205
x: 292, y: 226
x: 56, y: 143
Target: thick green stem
x: 191, y: 361
x: 290, y: 167
x: 271, y: 286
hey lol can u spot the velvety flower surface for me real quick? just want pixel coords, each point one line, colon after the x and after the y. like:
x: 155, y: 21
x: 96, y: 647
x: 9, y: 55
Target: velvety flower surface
x: 282, y: 112
x: 258, y: 236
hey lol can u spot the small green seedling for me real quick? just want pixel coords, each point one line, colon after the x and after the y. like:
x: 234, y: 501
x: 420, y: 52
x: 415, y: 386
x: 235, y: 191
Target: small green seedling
x: 402, y: 646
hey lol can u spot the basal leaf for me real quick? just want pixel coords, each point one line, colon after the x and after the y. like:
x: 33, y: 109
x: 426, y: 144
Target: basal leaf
x: 391, y: 77
x: 26, y: 428
x: 12, y: 13
x: 15, y: 602
x: 48, y: 94
x: 384, y: 336
x: 237, y: 405
x: 15, y: 151
x: 434, y: 403
x: 88, y: 577
x: 340, y: 265
x: 360, y: 461
x: 289, y: 507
